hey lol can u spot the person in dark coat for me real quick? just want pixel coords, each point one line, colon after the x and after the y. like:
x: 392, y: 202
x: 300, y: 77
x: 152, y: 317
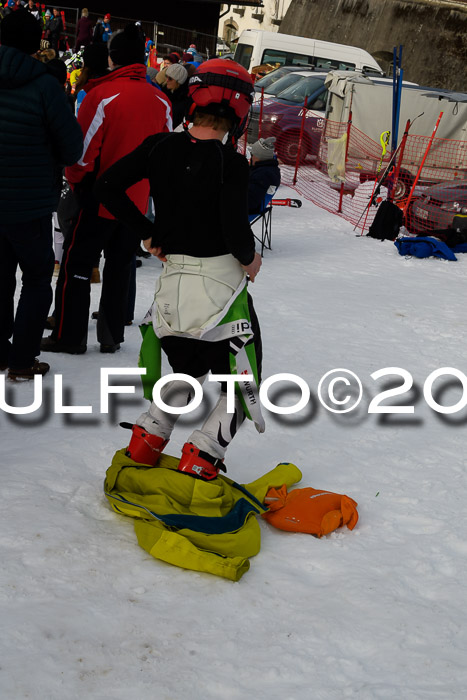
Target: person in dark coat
x: 55, y: 30
x: 176, y: 89
x: 265, y: 175
x: 34, y: 10
x: 42, y: 136
x: 84, y: 30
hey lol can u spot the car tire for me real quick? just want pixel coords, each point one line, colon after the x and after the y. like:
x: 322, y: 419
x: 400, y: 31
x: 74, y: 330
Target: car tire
x: 402, y: 186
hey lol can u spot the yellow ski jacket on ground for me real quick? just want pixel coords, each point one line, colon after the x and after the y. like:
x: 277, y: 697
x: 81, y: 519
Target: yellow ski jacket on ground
x: 208, y: 526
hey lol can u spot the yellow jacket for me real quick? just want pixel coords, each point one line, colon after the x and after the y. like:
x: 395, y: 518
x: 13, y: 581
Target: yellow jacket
x: 201, y: 525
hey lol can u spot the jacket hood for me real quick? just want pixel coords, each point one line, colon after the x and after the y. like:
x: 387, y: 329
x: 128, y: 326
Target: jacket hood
x: 17, y: 68
x: 133, y: 71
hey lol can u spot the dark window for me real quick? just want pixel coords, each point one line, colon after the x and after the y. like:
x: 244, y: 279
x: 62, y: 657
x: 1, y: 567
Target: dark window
x: 274, y: 56
x: 333, y: 64
x: 243, y: 55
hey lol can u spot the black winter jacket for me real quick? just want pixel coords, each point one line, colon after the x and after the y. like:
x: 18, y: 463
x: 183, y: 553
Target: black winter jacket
x: 38, y: 135
x: 263, y: 175
x: 202, y: 212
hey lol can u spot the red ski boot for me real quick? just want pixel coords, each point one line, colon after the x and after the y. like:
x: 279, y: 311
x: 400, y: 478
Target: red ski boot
x: 199, y: 464
x: 144, y: 447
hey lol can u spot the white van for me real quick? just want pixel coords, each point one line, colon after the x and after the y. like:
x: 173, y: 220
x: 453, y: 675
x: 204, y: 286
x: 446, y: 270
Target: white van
x: 256, y: 47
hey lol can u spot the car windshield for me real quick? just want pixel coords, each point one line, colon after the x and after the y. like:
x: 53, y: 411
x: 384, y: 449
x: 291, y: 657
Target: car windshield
x: 301, y: 89
x: 271, y: 78
x: 283, y: 83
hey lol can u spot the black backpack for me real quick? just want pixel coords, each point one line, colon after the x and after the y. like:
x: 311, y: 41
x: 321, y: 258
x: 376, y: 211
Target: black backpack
x: 386, y: 223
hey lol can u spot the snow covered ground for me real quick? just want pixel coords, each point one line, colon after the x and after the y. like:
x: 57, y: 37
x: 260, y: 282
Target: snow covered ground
x: 377, y: 613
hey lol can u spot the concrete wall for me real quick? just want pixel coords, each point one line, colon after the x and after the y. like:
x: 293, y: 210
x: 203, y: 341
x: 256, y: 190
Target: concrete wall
x: 433, y: 33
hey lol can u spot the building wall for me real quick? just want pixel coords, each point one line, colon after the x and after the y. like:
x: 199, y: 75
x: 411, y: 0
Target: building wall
x: 433, y: 33
x: 240, y: 17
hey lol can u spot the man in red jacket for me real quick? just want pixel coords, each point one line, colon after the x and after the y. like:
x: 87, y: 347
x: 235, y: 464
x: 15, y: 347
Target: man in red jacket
x: 119, y: 111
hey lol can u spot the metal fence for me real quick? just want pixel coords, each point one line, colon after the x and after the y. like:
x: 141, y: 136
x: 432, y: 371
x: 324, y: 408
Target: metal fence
x: 165, y: 37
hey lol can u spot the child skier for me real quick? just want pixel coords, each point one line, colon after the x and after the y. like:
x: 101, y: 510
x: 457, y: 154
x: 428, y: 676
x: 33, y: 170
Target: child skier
x: 201, y: 313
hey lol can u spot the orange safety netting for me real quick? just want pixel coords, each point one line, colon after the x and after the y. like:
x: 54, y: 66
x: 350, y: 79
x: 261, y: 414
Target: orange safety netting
x: 431, y: 184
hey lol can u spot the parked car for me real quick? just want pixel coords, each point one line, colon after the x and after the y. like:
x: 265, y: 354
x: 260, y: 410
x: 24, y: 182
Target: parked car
x: 282, y: 117
x: 279, y: 79
x: 438, y: 206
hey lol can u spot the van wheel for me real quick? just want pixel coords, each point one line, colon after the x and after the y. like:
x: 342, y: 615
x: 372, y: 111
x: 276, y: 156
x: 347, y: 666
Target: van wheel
x: 287, y: 148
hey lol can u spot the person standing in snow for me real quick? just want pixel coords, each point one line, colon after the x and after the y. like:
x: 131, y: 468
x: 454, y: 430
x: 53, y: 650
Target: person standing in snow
x: 45, y: 137
x: 202, y: 312
x: 84, y: 30
x: 176, y: 89
x: 102, y: 30
x: 110, y: 117
x: 55, y: 29
x: 33, y: 9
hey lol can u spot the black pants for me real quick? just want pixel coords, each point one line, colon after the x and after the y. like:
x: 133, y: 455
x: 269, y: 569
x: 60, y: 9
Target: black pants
x: 29, y: 245
x: 197, y: 357
x: 90, y: 236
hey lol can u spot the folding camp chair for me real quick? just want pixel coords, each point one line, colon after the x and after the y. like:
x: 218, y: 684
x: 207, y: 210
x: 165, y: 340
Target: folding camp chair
x: 265, y: 216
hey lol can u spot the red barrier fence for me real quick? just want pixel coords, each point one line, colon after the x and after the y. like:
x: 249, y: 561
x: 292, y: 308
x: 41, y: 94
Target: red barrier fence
x: 335, y: 166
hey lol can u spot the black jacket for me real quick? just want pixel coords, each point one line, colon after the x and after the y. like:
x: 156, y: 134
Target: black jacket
x: 263, y: 175
x: 203, y: 210
x: 38, y: 134
x: 180, y: 102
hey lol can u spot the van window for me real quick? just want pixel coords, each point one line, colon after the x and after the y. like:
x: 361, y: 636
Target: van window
x: 243, y: 54
x: 281, y: 57
x: 333, y: 64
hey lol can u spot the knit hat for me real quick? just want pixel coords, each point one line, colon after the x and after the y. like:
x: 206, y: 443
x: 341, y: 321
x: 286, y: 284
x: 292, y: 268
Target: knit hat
x: 21, y: 31
x: 48, y: 13
x: 107, y: 17
x: 126, y: 46
x: 177, y: 72
x: 173, y: 57
x: 187, y: 57
x: 264, y: 148
x: 151, y: 73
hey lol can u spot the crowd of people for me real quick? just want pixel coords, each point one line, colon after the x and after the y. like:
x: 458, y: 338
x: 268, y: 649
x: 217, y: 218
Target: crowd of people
x: 54, y: 30
x: 97, y: 171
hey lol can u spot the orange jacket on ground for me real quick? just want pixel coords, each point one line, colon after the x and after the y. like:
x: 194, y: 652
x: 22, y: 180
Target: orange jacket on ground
x: 309, y: 510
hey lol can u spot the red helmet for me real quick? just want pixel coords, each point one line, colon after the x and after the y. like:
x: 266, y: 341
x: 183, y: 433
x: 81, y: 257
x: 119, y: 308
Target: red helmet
x: 224, y: 87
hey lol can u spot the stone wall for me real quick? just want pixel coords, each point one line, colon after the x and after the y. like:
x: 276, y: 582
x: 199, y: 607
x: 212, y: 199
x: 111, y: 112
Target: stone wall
x: 433, y: 33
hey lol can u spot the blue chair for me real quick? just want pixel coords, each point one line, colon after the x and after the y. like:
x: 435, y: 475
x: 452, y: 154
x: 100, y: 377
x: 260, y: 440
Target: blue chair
x: 265, y: 216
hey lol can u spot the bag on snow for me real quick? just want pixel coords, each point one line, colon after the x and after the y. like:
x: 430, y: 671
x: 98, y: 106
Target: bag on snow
x: 387, y: 222
x: 309, y: 510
